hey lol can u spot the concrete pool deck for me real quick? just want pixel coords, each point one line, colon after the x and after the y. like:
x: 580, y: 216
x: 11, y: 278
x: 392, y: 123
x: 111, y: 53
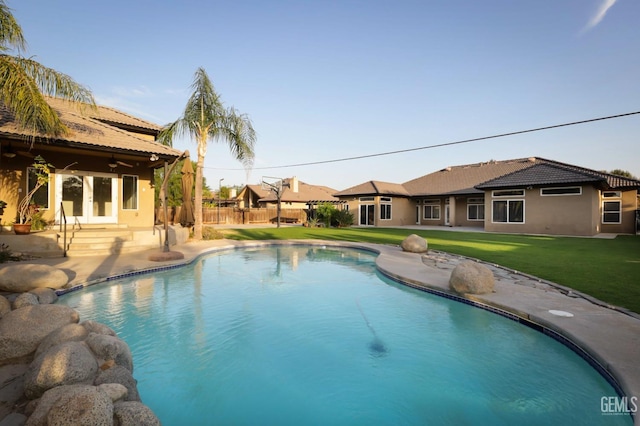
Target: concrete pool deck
x: 610, y: 337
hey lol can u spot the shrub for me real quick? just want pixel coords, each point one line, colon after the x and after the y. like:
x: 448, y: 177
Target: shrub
x: 210, y: 233
x: 37, y: 222
x: 325, y: 212
x: 342, y: 218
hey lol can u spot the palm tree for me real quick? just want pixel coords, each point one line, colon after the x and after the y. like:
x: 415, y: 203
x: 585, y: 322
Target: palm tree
x: 24, y: 83
x: 205, y: 118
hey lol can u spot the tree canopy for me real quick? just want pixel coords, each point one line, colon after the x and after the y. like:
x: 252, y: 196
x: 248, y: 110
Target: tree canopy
x: 206, y: 119
x: 623, y: 173
x: 25, y: 83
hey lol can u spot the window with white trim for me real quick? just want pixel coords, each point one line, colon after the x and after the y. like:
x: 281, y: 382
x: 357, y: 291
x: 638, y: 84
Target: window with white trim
x: 431, y: 211
x: 475, y: 209
x: 129, y: 192
x: 385, y: 208
x: 366, y: 199
x: 611, y: 209
x: 508, y: 193
x: 508, y: 211
x: 559, y: 191
x: 612, y: 194
x: 41, y: 196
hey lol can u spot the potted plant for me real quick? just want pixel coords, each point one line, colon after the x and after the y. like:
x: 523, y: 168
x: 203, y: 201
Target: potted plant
x: 26, y: 208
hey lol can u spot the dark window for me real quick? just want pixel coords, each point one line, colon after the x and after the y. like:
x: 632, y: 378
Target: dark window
x: 508, y: 211
x: 129, y: 192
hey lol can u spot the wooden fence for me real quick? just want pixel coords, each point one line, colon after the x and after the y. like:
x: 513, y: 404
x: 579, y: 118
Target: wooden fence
x: 235, y: 216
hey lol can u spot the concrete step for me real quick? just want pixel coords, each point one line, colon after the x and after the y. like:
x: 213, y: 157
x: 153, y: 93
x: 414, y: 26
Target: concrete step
x: 89, y: 239
x: 93, y: 246
x: 96, y: 226
x: 100, y: 233
x: 98, y: 240
x: 107, y: 251
x: 102, y: 241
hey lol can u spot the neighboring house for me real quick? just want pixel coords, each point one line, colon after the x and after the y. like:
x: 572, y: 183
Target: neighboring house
x: 103, y: 169
x: 295, y: 195
x: 529, y: 195
x: 376, y: 203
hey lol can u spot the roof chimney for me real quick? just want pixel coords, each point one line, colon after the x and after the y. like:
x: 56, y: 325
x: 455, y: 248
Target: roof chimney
x: 294, y: 184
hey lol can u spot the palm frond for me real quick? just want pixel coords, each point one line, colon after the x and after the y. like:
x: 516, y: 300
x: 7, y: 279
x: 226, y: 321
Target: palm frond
x: 54, y: 83
x: 238, y: 131
x: 10, y: 31
x: 21, y: 95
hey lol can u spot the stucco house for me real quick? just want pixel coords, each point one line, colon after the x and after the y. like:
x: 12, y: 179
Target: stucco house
x: 103, y: 169
x: 295, y: 195
x: 527, y: 195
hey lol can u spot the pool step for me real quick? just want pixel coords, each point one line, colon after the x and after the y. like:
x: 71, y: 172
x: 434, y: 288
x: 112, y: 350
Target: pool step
x: 103, y: 241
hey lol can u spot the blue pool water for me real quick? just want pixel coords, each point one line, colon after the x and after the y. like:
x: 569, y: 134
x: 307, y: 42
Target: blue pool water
x: 306, y: 335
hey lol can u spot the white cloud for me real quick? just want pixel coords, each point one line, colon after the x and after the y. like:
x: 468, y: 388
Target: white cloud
x: 600, y: 14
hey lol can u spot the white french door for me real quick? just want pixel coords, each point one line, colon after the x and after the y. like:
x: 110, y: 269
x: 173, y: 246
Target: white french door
x: 88, y: 197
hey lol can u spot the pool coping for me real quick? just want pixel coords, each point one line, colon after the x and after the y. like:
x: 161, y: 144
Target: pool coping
x: 606, y: 338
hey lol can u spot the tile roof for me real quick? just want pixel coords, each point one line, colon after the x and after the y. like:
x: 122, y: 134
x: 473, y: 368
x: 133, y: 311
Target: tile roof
x: 463, y: 179
x: 548, y: 172
x: 475, y: 178
x: 374, y: 187
x: 257, y: 189
x: 89, y: 130
x: 305, y: 193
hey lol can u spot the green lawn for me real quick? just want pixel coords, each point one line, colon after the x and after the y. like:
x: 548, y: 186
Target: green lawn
x: 606, y: 269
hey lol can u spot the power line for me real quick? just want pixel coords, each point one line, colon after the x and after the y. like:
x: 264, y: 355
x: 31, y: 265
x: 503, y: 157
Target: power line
x: 401, y: 151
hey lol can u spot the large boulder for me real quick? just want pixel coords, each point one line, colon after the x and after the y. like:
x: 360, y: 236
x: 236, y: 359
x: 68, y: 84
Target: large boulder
x: 5, y: 306
x: 414, y: 244
x: 25, y: 299
x: 73, y: 405
x: 134, y: 413
x: 96, y: 327
x: 119, y: 374
x: 68, y: 333
x: 111, y: 348
x: 22, y: 330
x: 45, y: 295
x: 57, y: 371
x: 471, y: 278
x: 68, y: 363
x: 20, y: 278
x: 115, y: 391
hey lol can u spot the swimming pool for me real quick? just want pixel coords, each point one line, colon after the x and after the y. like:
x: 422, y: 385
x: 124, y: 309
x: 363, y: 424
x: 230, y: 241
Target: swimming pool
x: 313, y: 335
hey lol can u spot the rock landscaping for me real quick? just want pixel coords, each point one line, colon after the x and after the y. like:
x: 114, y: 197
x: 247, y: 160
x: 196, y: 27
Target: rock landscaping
x: 56, y: 370
x: 414, y: 244
x: 471, y: 278
x: 19, y: 278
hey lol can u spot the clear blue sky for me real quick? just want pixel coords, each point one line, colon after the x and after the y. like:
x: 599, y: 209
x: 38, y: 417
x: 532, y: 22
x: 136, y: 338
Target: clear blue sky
x: 324, y: 80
